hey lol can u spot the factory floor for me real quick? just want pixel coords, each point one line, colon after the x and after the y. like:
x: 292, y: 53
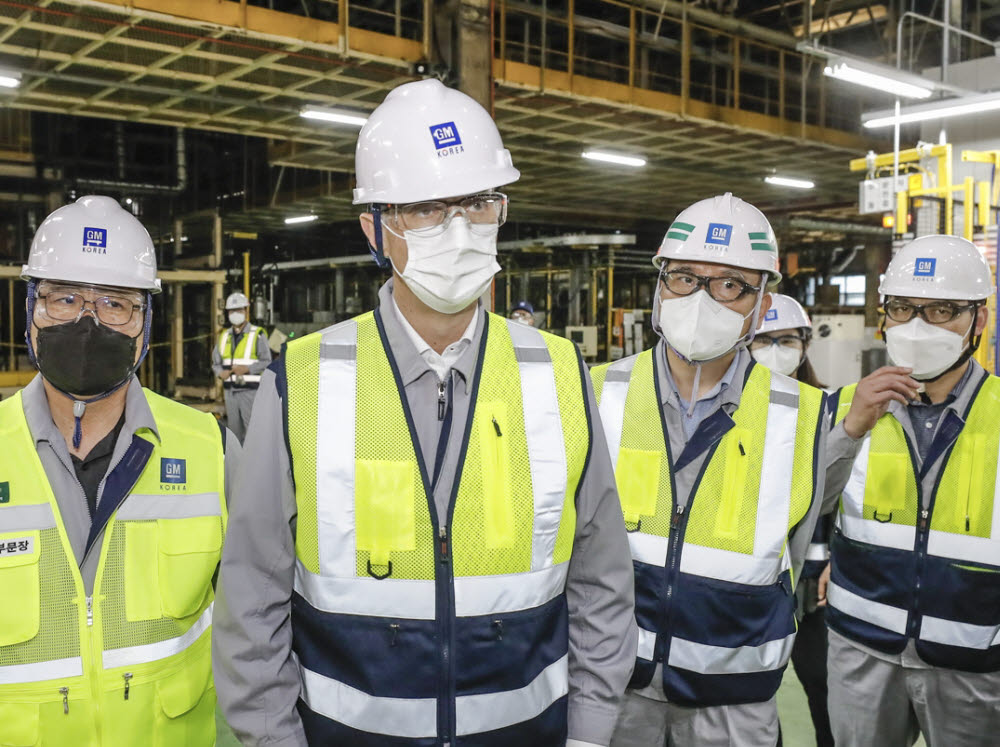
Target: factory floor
x: 796, y: 725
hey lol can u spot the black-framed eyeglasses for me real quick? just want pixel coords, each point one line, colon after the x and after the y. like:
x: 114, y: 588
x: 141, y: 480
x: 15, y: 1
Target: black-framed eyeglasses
x: 938, y: 312
x: 722, y: 288
x: 795, y: 342
x: 66, y: 306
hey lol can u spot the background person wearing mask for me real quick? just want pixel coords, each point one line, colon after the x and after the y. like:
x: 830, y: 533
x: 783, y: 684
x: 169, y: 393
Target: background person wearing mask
x: 914, y: 593
x: 716, y: 460
x: 239, y: 359
x: 112, y: 508
x: 425, y: 556
x: 781, y: 344
x: 524, y: 313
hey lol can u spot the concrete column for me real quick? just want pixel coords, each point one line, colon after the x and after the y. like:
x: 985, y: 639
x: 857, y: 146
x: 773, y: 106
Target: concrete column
x: 475, y: 51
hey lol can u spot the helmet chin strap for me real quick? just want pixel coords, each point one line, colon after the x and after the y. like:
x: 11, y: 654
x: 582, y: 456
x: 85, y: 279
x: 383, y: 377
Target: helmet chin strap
x: 80, y: 405
x: 377, y: 251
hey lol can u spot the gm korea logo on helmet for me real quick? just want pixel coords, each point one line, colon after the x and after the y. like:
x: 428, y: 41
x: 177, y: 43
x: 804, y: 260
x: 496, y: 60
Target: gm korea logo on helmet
x: 447, y: 141
x: 173, y: 474
x: 771, y: 315
x: 717, y: 236
x: 924, y: 267
x: 95, y: 240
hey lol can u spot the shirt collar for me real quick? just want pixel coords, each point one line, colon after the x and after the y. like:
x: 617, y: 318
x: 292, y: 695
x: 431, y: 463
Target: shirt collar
x: 958, y: 398
x: 407, y: 345
x: 724, y: 390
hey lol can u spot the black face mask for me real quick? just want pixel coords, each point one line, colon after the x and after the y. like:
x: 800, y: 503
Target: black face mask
x: 85, y: 358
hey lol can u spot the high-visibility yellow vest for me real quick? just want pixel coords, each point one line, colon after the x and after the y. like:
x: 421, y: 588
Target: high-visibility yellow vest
x: 245, y: 353
x: 406, y: 628
x: 131, y: 664
x: 905, y: 567
x: 713, y: 580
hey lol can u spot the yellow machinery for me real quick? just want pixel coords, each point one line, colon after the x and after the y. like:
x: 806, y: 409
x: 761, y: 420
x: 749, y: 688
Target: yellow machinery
x: 979, y: 207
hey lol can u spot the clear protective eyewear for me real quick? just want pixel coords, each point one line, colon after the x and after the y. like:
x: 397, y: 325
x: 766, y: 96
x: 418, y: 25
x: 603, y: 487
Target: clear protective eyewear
x: 794, y: 342
x: 62, y: 303
x: 486, y: 210
x: 938, y: 312
x: 722, y: 288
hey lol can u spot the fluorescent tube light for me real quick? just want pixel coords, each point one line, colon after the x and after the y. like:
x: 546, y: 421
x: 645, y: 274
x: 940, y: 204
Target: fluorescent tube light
x: 596, y: 155
x: 300, y: 219
x: 784, y: 181
x: 935, y: 110
x: 332, y: 115
x: 879, y: 77
x: 9, y: 80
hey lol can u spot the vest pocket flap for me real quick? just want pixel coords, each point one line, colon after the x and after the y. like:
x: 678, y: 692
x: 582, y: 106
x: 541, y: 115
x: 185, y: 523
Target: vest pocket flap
x: 181, y: 691
x: 638, y: 476
x: 386, y: 515
x: 189, y: 551
x: 20, y: 614
x: 18, y: 724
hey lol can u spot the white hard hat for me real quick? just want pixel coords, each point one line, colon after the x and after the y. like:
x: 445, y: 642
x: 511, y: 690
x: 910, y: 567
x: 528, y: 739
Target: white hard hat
x: 724, y: 230
x: 938, y: 267
x: 785, y: 313
x: 428, y: 142
x: 93, y: 240
x: 237, y: 301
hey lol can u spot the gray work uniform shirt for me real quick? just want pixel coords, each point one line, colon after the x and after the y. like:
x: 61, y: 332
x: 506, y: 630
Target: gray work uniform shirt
x: 844, y: 449
x: 58, y: 465
x: 256, y: 680
x: 263, y: 351
x: 725, y: 396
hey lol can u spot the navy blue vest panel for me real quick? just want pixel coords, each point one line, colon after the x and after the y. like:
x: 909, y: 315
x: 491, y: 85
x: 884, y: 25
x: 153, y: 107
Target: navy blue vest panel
x: 649, y: 580
x: 723, y: 613
x: 506, y: 652
x: 973, y: 596
x: 821, y: 536
x: 880, y: 574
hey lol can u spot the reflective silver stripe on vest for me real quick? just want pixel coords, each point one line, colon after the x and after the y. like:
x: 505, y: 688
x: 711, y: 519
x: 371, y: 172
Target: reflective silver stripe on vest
x: 648, y: 548
x: 774, y: 500
x: 612, y: 407
x: 55, y: 669
x: 818, y: 551
x: 705, y: 659
x: 414, y: 599
x: 148, y: 652
x: 25, y: 518
x: 882, y: 615
x: 951, y: 633
x: 249, y: 349
x: 647, y: 644
x: 546, y: 445
x: 335, y: 451
x: 139, y: 507
x: 852, y: 521
x: 416, y: 718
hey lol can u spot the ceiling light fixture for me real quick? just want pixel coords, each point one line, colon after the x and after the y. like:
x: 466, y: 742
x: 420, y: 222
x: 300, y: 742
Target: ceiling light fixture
x: 933, y: 110
x: 880, y: 78
x: 333, y: 115
x: 784, y: 181
x: 596, y: 155
x: 300, y: 219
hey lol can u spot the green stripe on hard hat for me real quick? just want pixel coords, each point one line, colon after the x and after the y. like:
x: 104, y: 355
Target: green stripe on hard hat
x: 677, y: 235
x: 762, y: 247
x: 759, y: 236
x: 687, y: 227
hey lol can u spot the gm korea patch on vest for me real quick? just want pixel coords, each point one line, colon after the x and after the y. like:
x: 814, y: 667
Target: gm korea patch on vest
x: 17, y: 546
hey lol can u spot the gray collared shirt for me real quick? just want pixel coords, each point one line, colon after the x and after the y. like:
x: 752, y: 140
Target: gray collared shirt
x: 710, y: 401
x: 58, y: 465
x: 255, y: 676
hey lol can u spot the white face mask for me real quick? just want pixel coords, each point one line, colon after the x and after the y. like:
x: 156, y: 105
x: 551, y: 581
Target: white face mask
x: 928, y: 349
x: 236, y: 318
x: 698, y: 327
x: 778, y: 358
x: 451, y: 270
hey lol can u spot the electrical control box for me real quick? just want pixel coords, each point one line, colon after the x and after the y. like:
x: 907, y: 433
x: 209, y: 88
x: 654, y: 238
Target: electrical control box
x: 879, y: 195
x: 585, y: 338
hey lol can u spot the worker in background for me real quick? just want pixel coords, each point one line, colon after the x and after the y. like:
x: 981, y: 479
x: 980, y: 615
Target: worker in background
x: 716, y: 465
x: 914, y: 594
x: 523, y: 312
x: 239, y: 359
x: 112, y: 509
x: 426, y: 547
x: 781, y: 344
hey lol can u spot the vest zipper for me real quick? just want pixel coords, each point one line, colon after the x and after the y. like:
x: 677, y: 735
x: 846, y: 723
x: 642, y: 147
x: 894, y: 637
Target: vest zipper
x: 921, y: 552
x: 127, y: 676
x: 441, y: 399
x: 65, y: 693
x: 90, y: 612
x: 675, y: 541
x: 447, y: 618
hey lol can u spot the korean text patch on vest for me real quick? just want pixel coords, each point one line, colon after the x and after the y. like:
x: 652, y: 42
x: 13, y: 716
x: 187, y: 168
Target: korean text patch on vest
x: 173, y: 470
x: 4, y: 492
x: 924, y: 267
x: 719, y: 233
x: 95, y: 240
x: 17, y: 546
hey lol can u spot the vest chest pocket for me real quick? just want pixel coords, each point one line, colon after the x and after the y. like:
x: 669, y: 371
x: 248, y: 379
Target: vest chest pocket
x: 20, y: 613
x: 189, y: 552
x: 18, y: 724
